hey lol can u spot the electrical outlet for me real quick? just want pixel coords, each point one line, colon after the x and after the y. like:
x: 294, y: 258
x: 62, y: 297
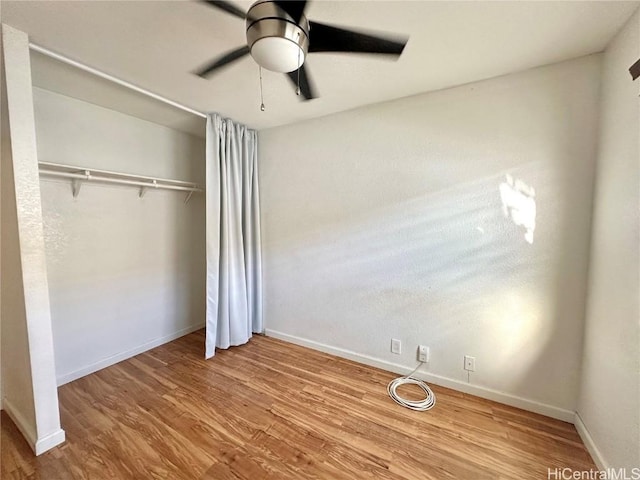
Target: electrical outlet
x: 396, y: 346
x: 423, y: 353
x: 470, y: 363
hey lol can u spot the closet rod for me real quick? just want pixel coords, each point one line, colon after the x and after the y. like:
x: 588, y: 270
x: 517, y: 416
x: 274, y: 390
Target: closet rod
x: 46, y: 167
x: 106, y: 76
x: 90, y: 177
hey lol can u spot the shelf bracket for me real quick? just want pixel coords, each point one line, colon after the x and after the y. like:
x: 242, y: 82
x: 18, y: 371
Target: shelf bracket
x: 143, y: 190
x: 75, y: 187
x: 76, y: 183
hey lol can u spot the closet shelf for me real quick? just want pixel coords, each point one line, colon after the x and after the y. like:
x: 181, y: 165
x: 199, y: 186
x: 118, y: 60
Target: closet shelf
x: 78, y: 175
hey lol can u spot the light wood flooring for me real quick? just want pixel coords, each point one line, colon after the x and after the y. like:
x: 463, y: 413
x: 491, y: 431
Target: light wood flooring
x: 274, y: 410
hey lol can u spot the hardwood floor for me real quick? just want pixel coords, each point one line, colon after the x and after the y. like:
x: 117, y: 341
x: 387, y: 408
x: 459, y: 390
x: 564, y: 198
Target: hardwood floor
x: 274, y: 410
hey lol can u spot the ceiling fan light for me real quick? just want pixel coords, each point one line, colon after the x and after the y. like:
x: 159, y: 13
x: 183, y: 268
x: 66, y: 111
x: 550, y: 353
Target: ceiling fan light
x: 276, y: 41
x: 278, y: 54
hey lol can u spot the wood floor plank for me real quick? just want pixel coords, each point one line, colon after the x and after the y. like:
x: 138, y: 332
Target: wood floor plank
x: 272, y: 410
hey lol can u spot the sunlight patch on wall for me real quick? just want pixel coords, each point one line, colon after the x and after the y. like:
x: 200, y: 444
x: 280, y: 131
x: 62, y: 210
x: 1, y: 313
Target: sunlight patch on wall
x: 521, y: 326
x: 519, y: 203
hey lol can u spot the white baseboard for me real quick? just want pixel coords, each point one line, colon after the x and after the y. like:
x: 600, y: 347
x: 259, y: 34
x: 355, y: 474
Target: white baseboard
x: 112, y: 360
x: 38, y: 445
x: 28, y: 432
x: 483, y: 392
x: 586, y: 437
x: 49, y: 441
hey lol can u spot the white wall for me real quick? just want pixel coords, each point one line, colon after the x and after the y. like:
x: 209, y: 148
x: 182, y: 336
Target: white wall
x: 609, y: 403
x: 125, y: 273
x: 387, y: 222
x: 15, y: 351
x: 30, y: 393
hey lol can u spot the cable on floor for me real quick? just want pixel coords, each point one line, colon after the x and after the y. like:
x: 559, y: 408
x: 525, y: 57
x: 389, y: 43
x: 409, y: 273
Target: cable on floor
x: 419, y: 405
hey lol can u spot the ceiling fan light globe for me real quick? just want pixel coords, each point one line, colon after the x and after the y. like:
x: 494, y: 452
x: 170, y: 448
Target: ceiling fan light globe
x: 277, y: 54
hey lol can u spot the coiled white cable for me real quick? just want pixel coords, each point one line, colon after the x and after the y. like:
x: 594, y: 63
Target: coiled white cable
x: 420, y: 405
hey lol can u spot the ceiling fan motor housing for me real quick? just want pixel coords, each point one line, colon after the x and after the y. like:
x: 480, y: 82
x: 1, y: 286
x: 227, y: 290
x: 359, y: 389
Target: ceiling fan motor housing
x: 276, y: 41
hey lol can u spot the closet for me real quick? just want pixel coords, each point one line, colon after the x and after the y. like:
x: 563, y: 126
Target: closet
x: 122, y: 181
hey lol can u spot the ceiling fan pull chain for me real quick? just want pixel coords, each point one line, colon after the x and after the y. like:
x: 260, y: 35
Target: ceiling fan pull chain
x: 261, y: 97
x: 298, y: 89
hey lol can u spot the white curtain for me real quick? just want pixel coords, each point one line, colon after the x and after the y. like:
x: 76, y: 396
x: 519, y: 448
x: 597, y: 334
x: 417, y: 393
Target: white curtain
x: 234, y: 274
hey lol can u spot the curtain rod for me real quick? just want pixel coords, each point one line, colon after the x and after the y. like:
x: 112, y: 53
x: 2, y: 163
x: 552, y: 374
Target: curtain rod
x: 111, y: 78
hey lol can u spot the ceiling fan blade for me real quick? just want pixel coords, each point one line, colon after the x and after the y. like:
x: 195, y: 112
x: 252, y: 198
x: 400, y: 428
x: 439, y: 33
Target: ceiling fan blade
x: 634, y: 70
x: 306, y: 88
x: 327, y: 38
x: 219, y: 62
x: 227, y: 7
x: 295, y: 8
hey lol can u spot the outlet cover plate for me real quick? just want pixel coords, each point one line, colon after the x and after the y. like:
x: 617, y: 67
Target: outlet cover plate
x: 470, y: 363
x: 423, y: 353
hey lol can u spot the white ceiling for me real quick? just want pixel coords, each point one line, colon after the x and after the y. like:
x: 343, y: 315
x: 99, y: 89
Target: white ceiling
x: 59, y: 77
x: 157, y: 44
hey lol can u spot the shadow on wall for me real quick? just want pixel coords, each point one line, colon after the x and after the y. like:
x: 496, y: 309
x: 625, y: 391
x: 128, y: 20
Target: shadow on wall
x: 469, y: 269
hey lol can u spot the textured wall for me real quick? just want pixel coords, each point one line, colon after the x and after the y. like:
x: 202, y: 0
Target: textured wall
x: 610, y: 396
x: 24, y: 276
x: 125, y: 273
x: 15, y: 349
x: 389, y: 221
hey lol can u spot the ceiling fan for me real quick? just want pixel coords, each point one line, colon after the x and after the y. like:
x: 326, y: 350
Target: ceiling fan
x: 279, y: 37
